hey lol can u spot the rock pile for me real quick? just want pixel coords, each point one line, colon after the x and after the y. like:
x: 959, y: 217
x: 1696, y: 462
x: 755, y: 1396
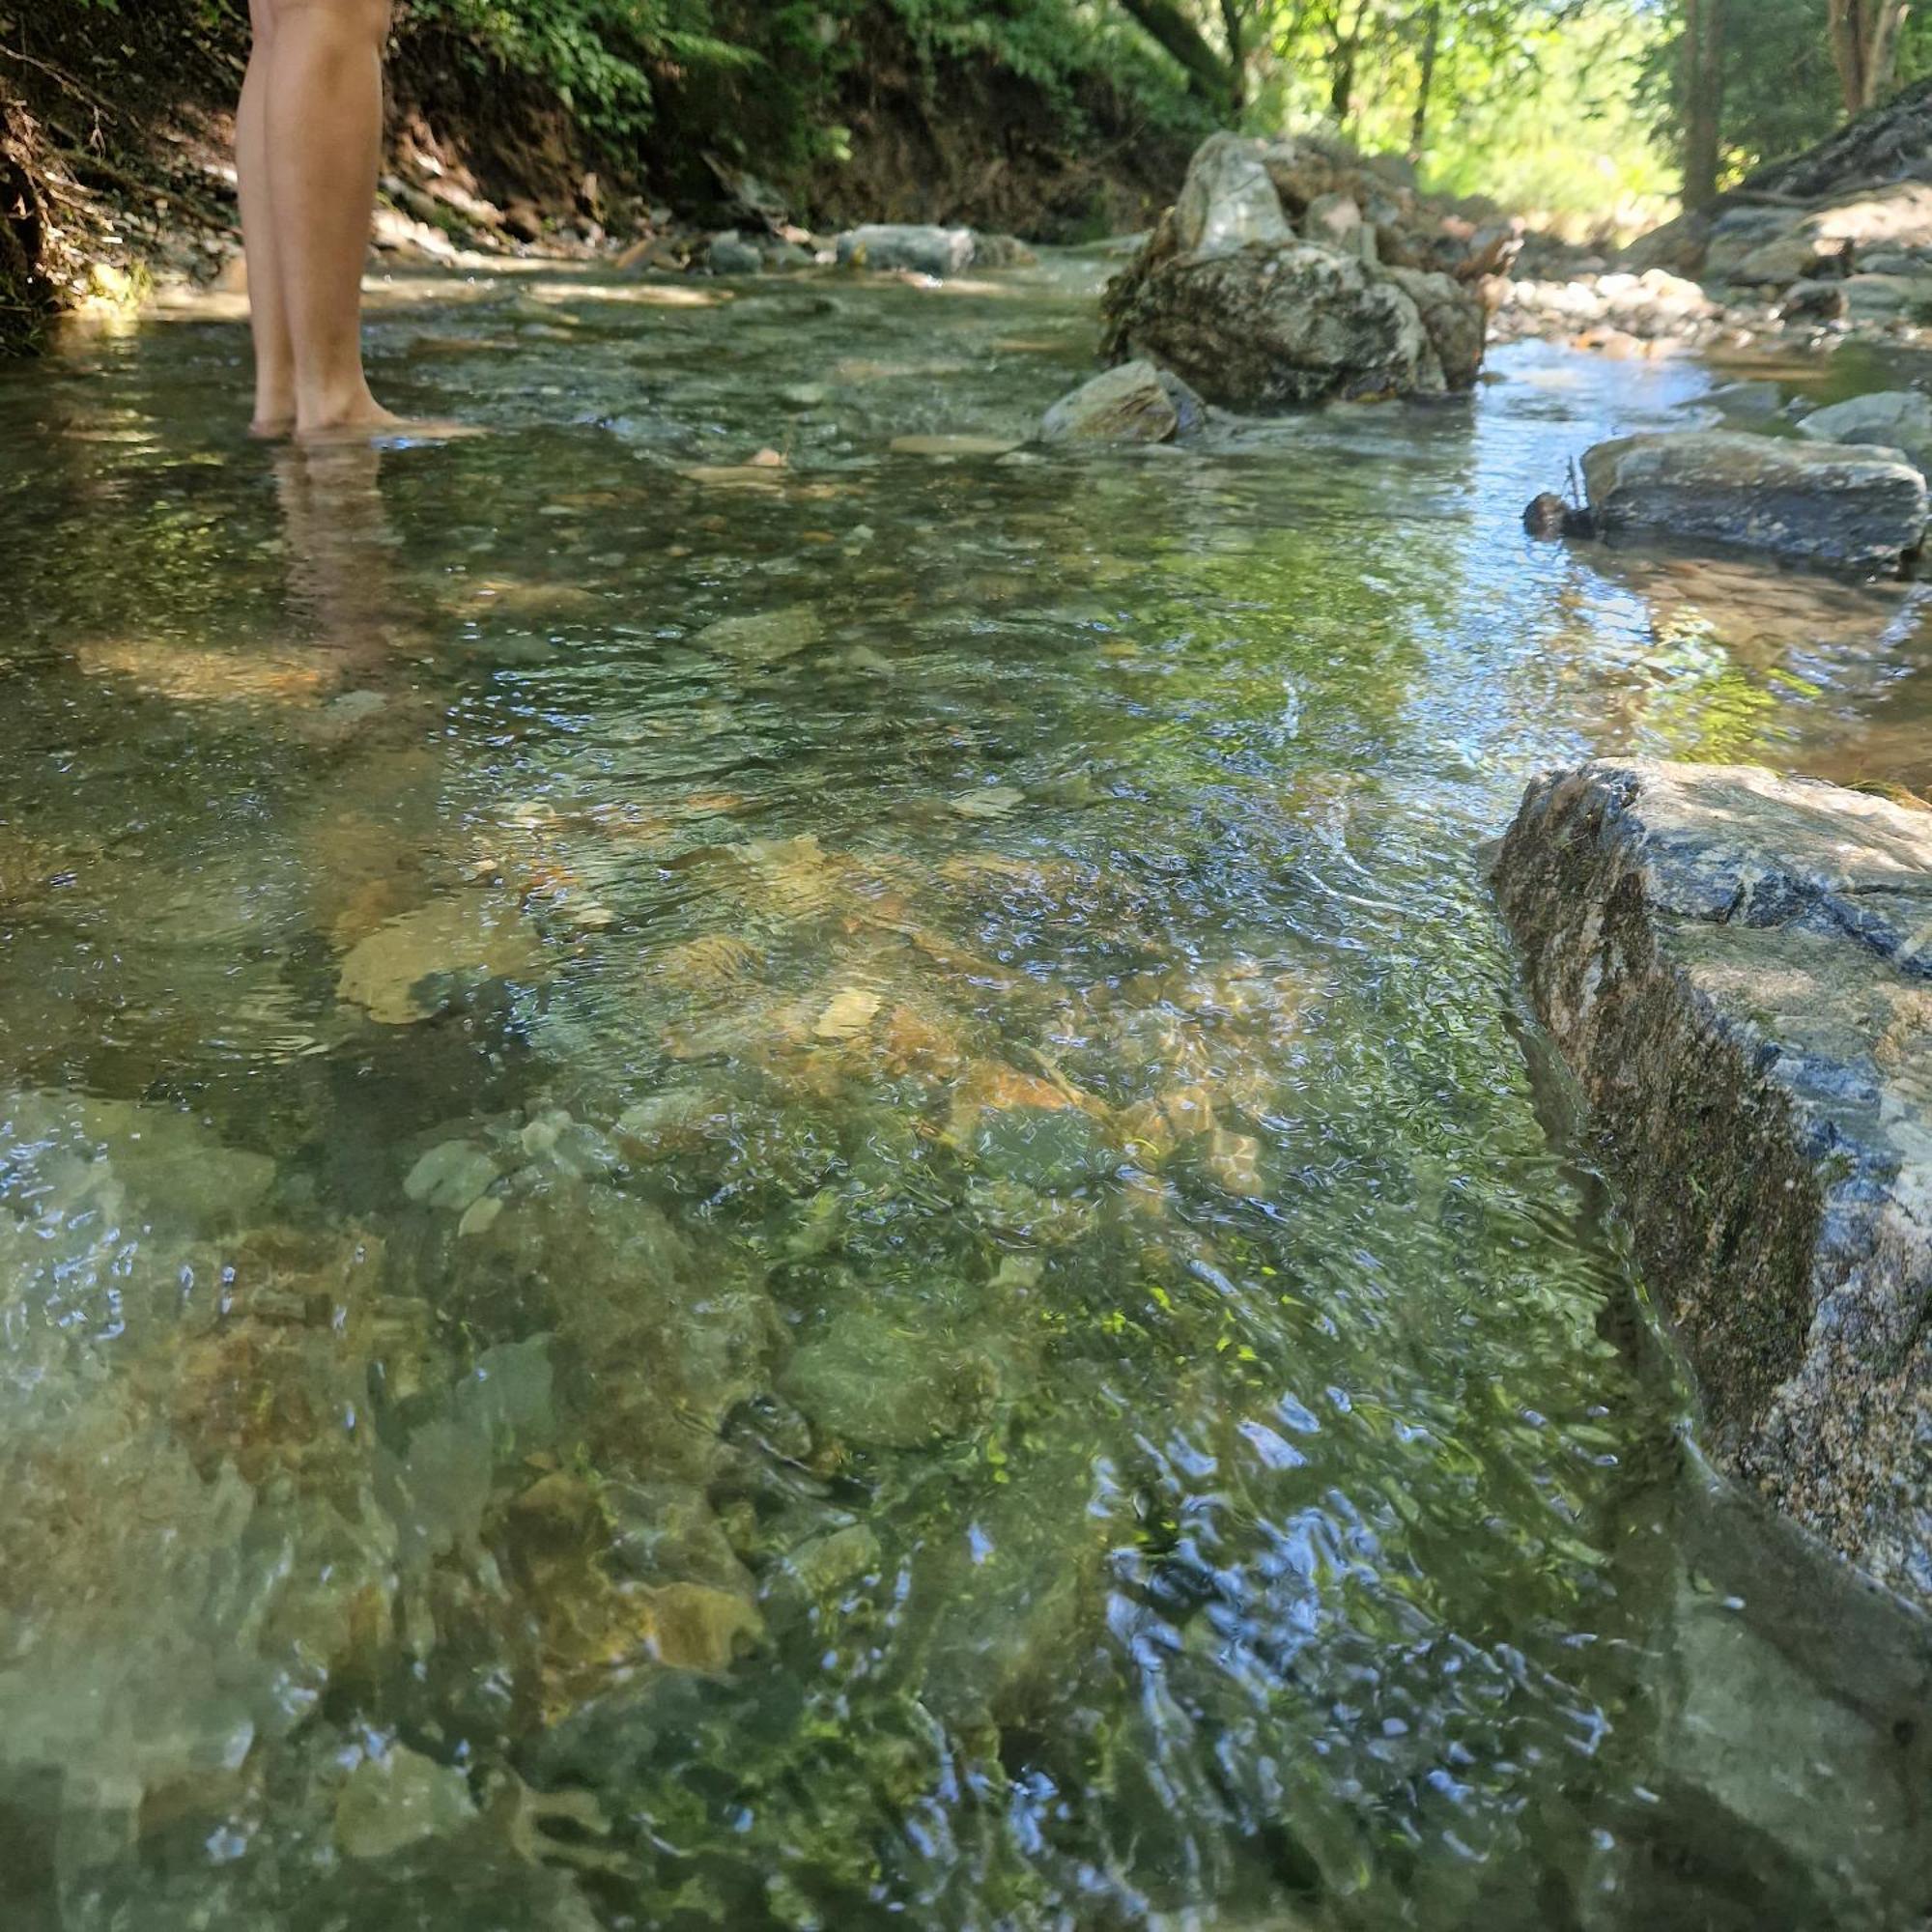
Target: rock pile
x: 1841, y: 233
x: 1609, y: 311
x: 1290, y: 273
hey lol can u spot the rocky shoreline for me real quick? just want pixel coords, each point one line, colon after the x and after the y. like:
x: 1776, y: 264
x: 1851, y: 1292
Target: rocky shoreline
x: 1738, y: 969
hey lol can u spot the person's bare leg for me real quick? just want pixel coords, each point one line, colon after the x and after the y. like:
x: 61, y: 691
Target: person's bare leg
x: 325, y: 131
x: 267, y: 311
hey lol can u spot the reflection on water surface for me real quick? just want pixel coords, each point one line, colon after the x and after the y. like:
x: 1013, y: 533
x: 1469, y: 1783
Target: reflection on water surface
x: 749, y: 1182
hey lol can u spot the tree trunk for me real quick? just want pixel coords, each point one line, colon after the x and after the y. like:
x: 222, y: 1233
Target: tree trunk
x: 1171, y: 29
x: 1864, y: 48
x: 1425, y: 85
x: 1703, y: 87
x: 1342, y: 69
x: 1236, y: 29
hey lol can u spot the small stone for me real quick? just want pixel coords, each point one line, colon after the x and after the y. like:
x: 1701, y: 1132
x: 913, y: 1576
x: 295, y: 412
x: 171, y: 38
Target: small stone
x: 953, y: 445
x: 398, y: 1799
x: 764, y: 637
x: 1134, y: 402
x: 994, y: 801
x: 849, y: 1014
x: 452, y: 1176
x: 827, y: 1564
x: 479, y: 1214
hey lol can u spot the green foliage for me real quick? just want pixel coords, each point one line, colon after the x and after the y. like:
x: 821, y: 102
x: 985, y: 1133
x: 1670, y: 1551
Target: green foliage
x: 1556, y: 128
x: 597, y: 56
x: 1781, y: 89
x: 1533, y: 102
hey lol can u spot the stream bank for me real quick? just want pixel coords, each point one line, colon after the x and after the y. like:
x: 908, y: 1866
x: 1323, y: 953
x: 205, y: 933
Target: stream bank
x: 115, y: 174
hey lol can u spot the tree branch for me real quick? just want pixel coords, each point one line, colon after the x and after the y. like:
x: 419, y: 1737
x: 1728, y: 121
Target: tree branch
x: 1178, y: 36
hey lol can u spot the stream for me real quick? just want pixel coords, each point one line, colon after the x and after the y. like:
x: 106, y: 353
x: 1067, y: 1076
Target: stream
x: 764, y: 1164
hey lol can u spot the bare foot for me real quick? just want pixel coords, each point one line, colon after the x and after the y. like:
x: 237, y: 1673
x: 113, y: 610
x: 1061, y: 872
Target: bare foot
x: 387, y: 431
x: 353, y: 418
x: 272, y: 429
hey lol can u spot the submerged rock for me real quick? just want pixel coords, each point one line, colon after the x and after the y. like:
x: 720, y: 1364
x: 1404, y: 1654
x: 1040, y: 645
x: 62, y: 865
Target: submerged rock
x: 1750, y: 400
x: 764, y: 637
x: 397, y: 1800
x: 874, y: 1383
x: 398, y: 973
x: 1739, y: 970
x: 1825, y: 503
x: 1134, y: 402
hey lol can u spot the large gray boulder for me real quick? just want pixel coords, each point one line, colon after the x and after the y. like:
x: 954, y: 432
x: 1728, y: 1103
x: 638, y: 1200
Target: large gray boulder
x: 1820, y: 502
x: 923, y: 250
x: 1278, y: 328
x: 1134, y: 402
x: 1226, y: 294
x: 1228, y: 201
x: 1738, y: 969
x: 926, y: 251
x: 1892, y: 419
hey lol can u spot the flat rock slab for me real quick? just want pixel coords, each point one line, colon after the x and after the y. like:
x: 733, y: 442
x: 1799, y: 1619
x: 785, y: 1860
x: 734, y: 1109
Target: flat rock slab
x: 1820, y: 502
x: 1738, y: 969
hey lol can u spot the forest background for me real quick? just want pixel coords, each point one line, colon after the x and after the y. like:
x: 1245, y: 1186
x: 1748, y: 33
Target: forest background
x: 1593, y: 116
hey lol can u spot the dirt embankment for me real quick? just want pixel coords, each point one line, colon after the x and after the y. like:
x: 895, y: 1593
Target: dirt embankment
x: 978, y: 146
x: 116, y: 171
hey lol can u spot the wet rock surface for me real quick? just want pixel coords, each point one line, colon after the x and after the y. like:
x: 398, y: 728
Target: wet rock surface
x: 1133, y: 403
x: 1821, y: 502
x: 1738, y: 969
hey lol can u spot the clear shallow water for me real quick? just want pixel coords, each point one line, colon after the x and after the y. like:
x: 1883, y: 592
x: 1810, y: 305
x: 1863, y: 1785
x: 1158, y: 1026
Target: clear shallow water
x: 815, y: 1195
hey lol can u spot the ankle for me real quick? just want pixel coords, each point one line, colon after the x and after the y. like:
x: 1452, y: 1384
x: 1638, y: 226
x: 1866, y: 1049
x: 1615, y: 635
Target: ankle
x: 338, y: 409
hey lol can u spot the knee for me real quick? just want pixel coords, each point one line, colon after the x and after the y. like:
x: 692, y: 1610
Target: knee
x: 366, y: 19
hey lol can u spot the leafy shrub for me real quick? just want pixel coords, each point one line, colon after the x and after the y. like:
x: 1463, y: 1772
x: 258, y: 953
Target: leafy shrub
x: 596, y: 56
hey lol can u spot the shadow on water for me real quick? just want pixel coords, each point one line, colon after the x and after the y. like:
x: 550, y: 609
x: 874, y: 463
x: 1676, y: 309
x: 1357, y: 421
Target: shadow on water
x: 749, y: 1179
